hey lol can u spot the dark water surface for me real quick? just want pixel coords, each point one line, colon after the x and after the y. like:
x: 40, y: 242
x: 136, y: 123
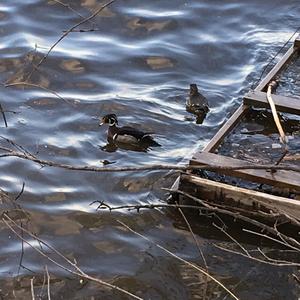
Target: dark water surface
x: 138, y: 65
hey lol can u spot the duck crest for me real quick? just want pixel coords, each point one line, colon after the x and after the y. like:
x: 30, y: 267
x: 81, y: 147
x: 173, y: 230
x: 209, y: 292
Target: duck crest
x: 193, y: 89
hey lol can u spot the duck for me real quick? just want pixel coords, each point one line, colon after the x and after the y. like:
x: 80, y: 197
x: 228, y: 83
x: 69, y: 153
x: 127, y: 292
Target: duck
x: 126, y: 134
x: 197, y: 104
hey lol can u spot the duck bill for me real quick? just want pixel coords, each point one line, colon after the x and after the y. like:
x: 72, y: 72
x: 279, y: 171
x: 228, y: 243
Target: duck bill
x: 101, y: 123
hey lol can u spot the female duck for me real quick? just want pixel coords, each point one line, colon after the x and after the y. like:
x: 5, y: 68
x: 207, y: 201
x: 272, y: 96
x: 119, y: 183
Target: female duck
x: 197, y: 104
x: 126, y: 134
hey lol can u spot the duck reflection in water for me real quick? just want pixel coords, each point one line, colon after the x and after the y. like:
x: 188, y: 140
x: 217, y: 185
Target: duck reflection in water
x: 127, y: 138
x: 197, y: 104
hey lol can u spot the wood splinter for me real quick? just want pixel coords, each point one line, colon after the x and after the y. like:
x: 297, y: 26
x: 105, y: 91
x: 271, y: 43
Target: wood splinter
x: 283, y: 138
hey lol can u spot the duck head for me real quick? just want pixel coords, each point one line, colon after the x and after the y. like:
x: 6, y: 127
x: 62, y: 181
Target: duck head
x: 193, y: 89
x: 110, y: 119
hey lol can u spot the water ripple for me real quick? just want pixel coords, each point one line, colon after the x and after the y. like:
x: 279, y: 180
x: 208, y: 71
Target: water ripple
x: 138, y: 64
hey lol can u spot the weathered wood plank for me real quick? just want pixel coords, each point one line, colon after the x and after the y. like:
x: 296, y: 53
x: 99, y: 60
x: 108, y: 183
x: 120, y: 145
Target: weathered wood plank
x: 280, y: 178
x: 226, y: 128
x: 284, y: 104
x: 243, y: 197
x: 297, y: 41
x: 277, y: 68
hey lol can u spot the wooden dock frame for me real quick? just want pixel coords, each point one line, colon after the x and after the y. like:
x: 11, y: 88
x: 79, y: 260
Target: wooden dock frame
x: 256, y: 98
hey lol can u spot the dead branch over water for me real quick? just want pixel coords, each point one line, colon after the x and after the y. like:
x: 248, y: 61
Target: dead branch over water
x: 69, y: 7
x: 264, y: 231
x: 47, y: 250
x: 92, y: 16
x: 7, y: 152
x: 37, y: 86
x: 196, y: 267
x: 3, y: 115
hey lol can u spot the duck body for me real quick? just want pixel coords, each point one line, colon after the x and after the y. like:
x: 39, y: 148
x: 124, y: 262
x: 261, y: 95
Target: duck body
x: 126, y: 134
x: 196, y: 103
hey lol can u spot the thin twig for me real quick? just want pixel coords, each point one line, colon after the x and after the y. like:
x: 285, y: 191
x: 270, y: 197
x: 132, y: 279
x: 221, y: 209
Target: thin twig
x: 21, y: 192
x: 32, y: 289
x: 296, y: 278
x: 272, y: 259
x: 85, y: 30
x: 232, y: 238
x: 77, y: 271
x: 22, y: 251
x: 48, y: 283
x: 43, y: 286
x: 285, y: 152
x: 179, y: 258
x: 68, y: 6
x: 3, y: 115
x: 193, y: 235
x: 288, y: 264
x: 138, y: 207
x: 198, y: 247
x: 291, y: 242
x: 273, y: 239
x: 17, y: 146
x: 39, y: 87
x: 10, y: 152
x: 272, y: 58
x: 70, y: 30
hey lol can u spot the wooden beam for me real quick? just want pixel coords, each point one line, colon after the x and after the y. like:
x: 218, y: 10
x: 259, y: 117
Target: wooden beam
x: 226, y: 128
x: 283, y: 104
x: 277, y: 68
x: 297, y: 41
x: 280, y: 178
x: 243, y: 197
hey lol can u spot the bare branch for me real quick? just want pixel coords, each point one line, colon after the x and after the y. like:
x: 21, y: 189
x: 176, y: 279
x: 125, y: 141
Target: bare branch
x: 273, y: 239
x: 180, y: 259
x: 77, y: 271
x: 3, y: 115
x: 233, y: 239
x: 292, y: 243
x: 39, y: 87
x: 48, y: 283
x: 287, y: 264
x: 70, y: 30
x: 68, y: 6
x: 32, y: 289
x: 138, y: 207
x: 9, y: 152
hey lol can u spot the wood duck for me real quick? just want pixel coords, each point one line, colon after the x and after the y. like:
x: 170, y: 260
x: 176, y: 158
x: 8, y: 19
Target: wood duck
x: 126, y: 134
x: 197, y: 104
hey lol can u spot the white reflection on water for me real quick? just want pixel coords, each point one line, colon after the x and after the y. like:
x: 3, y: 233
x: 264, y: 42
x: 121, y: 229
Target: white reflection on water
x: 264, y: 36
x: 152, y: 13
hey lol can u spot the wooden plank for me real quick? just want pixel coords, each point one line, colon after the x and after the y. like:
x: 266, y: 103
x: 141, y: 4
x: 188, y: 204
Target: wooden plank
x: 242, y: 196
x: 226, y: 128
x: 280, y: 178
x: 277, y: 68
x: 283, y: 104
x: 297, y: 41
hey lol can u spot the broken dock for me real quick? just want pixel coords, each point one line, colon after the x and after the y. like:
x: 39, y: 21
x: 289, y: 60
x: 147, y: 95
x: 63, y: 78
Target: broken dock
x: 283, y: 187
